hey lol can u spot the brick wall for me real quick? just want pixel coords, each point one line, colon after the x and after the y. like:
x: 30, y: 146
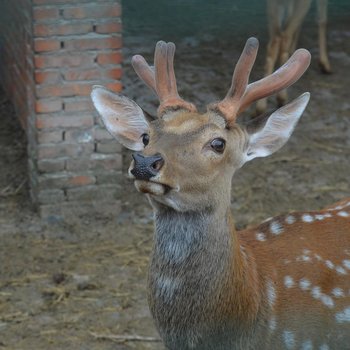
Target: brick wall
x: 74, y: 165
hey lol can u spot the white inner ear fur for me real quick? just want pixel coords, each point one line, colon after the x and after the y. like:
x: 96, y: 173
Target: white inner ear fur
x: 277, y: 129
x: 123, y: 118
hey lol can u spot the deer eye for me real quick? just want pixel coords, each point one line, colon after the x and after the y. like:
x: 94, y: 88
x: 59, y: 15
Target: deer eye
x: 218, y: 145
x: 145, y: 139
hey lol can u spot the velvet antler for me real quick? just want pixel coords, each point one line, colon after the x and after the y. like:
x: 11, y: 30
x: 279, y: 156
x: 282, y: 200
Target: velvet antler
x: 162, y: 79
x: 241, y: 95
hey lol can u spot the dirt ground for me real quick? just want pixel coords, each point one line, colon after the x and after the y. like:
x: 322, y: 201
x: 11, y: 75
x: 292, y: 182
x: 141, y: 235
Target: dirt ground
x: 77, y: 285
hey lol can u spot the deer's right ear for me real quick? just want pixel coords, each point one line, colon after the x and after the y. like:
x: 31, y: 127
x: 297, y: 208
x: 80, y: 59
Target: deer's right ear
x: 123, y: 118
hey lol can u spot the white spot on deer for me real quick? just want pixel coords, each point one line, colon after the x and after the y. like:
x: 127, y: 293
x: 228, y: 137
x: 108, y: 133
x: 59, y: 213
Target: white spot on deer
x: 166, y: 287
x: 289, y: 339
x: 319, y: 217
x: 316, y: 292
x: 290, y: 219
x: 329, y: 264
x: 271, y: 293
x: 343, y: 316
x: 319, y: 258
x: 343, y: 214
x: 276, y: 228
x: 340, y: 270
x: 260, y: 236
x: 327, y: 215
x: 346, y: 263
x: 327, y: 300
x: 272, y: 324
x: 288, y: 281
x: 304, y: 284
x: 307, y: 345
x: 324, y: 347
x: 307, y: 218
x: 338, y: 292
x: 305, y: 257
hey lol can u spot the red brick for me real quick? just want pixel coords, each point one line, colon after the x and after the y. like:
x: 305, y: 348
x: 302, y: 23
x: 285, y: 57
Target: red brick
x: 109, y: 58
x: 93, y: 74
x: 42, y: 77
x: 64, y: 90
x: 115, y: 73
x: 43, y: 45
x: 44, y: 13
x: 66, y: 121
x: 108, y: 27
x: 48, y: 105
x: 92, y: 11
x: 64, y: 60
x: 95, y: 43
x: 63, y: 180
x: 61, y: 29
x: 75, y: 104
x: 117, y: 87
x: 82, y: 180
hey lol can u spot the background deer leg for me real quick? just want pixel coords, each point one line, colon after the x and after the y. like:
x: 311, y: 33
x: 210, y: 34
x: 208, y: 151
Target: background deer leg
x: 322, y: 36
x: 290, y: 37
x: 273, y: 46
x: 273, y: 50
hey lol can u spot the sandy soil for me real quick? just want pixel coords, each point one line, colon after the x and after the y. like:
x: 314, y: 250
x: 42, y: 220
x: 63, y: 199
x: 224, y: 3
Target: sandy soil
x: 73, y: 285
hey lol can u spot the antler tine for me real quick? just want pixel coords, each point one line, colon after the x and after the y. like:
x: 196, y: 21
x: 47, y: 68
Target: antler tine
x: 144, y: 71
x: 162, y: 79
x: 285, y: 76
x: 161, y: 64
x: 230, y: 104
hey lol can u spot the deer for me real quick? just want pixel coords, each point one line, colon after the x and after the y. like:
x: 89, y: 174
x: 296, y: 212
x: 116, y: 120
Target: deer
x: 285, y: 18
x: 283, y: 284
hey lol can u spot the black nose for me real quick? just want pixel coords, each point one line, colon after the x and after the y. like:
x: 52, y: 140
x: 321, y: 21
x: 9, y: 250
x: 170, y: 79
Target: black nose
x: 146, y: 167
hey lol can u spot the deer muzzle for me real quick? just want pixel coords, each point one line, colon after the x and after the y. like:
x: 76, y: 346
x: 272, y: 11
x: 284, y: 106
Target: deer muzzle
x: 146, y: 167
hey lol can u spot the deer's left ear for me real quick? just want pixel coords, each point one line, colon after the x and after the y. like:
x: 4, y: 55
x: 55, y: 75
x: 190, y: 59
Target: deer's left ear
x: 277, y: 129
x: 123, y: 118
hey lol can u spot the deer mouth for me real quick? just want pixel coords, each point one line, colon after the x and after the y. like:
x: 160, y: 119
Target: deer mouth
x: 152, y: 187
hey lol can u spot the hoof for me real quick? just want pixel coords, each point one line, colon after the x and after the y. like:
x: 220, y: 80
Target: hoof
x: 325, y: 67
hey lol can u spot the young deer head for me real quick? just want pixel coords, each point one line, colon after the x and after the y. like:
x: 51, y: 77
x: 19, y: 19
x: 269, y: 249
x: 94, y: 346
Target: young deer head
x: 183, y: 159
x: 210, y: 287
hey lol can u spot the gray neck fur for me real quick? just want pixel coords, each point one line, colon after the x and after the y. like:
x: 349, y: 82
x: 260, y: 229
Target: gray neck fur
x: 190, y: 264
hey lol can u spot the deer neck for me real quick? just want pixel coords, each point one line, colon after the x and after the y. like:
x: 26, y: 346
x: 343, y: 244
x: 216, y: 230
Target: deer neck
x: 199, y: 272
